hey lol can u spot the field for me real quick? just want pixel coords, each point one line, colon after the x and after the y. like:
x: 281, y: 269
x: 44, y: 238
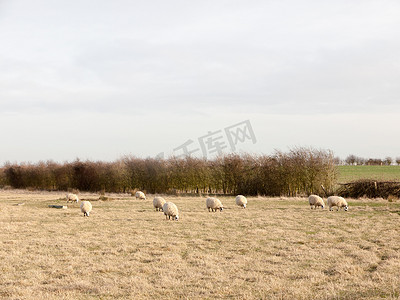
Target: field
x: 351, y: 173
x: 277, y: 248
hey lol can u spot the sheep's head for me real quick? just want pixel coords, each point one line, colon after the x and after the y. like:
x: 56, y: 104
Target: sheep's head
x: 176, y: 218
x: 244, y: 205
x: 322, y: 206
x: 346, y: 208
x: 221, y: 208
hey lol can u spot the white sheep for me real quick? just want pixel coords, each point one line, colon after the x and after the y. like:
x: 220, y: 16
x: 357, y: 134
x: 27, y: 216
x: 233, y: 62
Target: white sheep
x: 241, y: 201
x: 72, y: 197
x: 170, y: 210
x: 214, y: 204
x: 158, y: 203
x: 140, y: 195
x: 315, y: 201
x: 337, y: 201
x: 86, y: 208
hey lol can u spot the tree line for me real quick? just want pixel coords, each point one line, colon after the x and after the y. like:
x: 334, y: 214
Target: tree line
x: 296, y: 172
x: 359, y: 161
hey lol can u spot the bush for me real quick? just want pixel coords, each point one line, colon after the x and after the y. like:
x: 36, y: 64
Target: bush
x: 371, y: 189
x: 300, y: 171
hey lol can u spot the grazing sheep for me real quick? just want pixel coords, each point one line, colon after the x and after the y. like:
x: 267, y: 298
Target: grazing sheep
x: 170, y: 210
x: 158, y: 203
x: 241, y: 201
x: 337, y: 201
x: 315, y: 201
x: 86, y: 208
x: 214, y: 204
x: 140, y: 195
x: 72, y: 197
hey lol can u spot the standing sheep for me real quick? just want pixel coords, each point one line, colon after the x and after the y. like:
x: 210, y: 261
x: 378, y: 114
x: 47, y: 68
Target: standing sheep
x: 72, y: 197
x: 170, y: 210
x: 241, y: 201
x: 158, y: 203
x: 140, y: 195
x: 214, y: 204
x: 337, y: 201
x: 315, y: 201
x: 86, y: 208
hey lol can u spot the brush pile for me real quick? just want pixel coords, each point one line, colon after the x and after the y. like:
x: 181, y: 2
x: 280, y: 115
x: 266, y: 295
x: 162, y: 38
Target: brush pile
x: 370, y: 188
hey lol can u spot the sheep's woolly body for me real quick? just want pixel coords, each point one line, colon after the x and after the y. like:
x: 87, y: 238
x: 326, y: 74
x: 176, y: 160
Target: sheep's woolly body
x: 86, y: 208
x: 214, y: 204
x: 140, y: 195
x: 158, y: 203
x: 72, y: 197
x: 170, y: 210
x: 315, y: 201
x: 241, y: 201
x: 337, y: 201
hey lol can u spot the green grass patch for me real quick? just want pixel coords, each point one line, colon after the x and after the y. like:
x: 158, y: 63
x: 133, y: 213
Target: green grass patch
x: 351, y: 173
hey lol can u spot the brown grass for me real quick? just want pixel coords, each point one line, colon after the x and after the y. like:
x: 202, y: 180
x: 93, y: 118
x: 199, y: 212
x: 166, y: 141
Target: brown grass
x: 277, y: 248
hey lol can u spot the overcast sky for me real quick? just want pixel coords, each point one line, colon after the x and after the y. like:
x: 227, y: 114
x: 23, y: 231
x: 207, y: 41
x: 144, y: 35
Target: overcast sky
x: 102, y: 79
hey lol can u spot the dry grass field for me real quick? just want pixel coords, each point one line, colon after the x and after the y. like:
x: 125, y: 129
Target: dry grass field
x: 277, y: 248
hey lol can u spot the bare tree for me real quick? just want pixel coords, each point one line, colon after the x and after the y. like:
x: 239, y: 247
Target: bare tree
x: 388, y: 160
x: 351, y: 159
x: 299, y: 171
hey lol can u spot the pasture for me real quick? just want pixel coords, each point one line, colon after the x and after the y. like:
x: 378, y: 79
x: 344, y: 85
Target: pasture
x: 352, y: 173
x: 277, y: 248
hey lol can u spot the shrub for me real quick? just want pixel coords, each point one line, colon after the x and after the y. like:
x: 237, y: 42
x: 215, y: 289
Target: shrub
x: 299, y: 171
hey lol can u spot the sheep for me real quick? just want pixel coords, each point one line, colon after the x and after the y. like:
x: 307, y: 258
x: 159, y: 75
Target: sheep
x: 315, y: 201
x: 214, y: 204
x: 140, y: 195
x: 337, y: 201
x: 158, y: 203
x: 86, y: 208
x: 170, y: 210
x: 241, y: 201
x: 72, y: 197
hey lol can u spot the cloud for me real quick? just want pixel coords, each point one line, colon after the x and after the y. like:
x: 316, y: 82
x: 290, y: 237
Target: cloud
x: 205, y: 61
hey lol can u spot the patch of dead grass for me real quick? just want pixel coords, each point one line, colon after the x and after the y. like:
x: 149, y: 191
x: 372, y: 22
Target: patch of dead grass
x: 277, y: 248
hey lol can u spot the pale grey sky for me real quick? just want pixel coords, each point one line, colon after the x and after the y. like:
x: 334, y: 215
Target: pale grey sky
x: 100, y: 79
